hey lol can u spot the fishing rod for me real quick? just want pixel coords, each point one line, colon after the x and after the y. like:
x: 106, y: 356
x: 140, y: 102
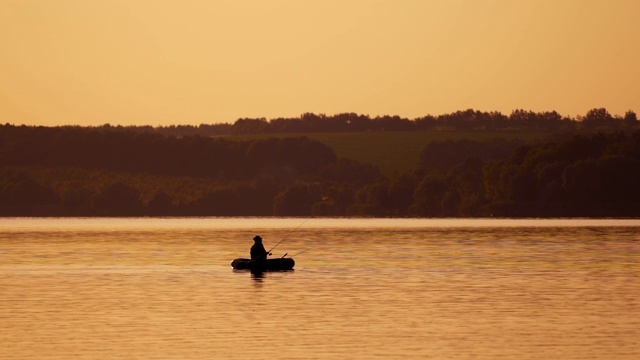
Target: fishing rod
x: 303, y: 251
x: 292, y: 231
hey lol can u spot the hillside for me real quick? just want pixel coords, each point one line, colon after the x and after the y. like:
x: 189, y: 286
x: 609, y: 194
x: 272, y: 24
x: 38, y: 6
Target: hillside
x: 392, y: 152
x: 74, y: 171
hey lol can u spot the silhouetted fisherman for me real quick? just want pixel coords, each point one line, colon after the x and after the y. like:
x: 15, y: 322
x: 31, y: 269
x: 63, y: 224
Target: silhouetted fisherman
x: 258, y: 253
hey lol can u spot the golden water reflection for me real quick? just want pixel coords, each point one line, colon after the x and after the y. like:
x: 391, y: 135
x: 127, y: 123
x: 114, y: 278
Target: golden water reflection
x: 401, y: 292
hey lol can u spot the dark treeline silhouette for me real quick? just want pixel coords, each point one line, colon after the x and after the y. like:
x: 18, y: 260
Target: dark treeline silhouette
x: 116, y: 171
x: 105, y: 171
x: 196, y: 156
x: 178, y: 130
x: 467, y: 120
x: 594, y: 175
x: 598, y: 119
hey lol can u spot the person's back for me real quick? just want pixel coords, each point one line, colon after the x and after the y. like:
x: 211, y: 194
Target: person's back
x: 258, y: 252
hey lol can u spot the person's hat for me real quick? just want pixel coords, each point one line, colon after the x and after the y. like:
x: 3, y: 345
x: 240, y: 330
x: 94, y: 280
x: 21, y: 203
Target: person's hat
x: 257, y: 238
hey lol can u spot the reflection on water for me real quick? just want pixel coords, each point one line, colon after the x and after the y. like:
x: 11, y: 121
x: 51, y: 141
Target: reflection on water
x: 164, y: 289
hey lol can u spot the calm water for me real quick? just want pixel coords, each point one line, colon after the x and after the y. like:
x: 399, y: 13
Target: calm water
x: 417, y: 289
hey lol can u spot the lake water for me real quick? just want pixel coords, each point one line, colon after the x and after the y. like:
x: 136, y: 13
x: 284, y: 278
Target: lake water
x: 361, y: 288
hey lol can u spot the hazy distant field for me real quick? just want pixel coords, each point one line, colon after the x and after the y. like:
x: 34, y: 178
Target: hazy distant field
x: 392, y: 152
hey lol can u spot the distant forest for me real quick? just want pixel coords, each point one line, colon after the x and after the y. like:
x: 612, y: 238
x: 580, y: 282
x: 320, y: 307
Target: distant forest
x: 467, y: 120
x: 590, y: 168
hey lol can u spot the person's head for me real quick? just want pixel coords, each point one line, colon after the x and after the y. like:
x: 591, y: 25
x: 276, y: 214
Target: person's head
x: 257, y: 239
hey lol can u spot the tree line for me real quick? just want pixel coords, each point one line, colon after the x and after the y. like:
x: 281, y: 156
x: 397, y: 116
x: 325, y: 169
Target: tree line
x: 597, y: 119
x: 76, y: 171
x: 127, y: 151
x: 587, y: 175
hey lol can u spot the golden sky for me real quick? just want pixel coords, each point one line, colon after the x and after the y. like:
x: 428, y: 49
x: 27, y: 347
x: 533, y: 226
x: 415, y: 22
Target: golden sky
x: 161, y: 62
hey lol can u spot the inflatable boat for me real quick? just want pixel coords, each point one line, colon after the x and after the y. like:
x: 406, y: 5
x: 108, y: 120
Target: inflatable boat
x: 280, y: 264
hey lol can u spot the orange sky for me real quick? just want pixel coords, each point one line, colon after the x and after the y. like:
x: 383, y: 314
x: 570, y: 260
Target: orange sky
x: 161, y: 62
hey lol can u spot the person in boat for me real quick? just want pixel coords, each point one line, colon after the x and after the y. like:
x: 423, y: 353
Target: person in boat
x: 258, y: 252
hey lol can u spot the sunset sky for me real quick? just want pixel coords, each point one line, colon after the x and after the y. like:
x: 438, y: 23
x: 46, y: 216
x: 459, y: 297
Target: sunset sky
x: 162, y: 62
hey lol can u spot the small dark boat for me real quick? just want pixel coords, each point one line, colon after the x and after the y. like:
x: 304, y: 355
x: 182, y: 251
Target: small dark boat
x: 279, y: 264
